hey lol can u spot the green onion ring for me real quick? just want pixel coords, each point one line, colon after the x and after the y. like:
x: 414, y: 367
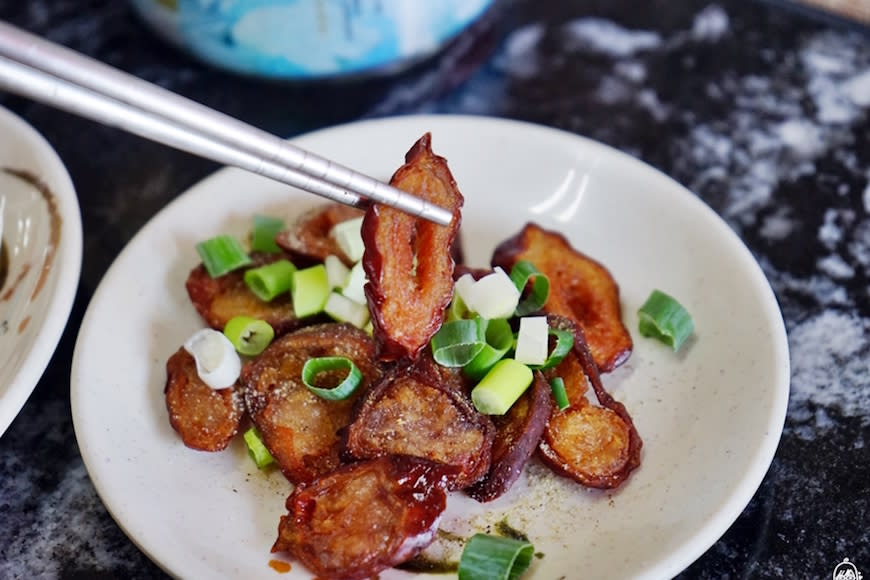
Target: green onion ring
x: 270, y: 280
x: 457, y: 342
x: 250, y: 336
x: 520, y: 275
x: 458, y: 310
x: 263, y: 233
x: 494, y: 558
x: 222, y: 254
x: 315, y: 366
x: 564, y: 344
x: 499, y: 340
x: 665, y: 319
x: 505, y: 382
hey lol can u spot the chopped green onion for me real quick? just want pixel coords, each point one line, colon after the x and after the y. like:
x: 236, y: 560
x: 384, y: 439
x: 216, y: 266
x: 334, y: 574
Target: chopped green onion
x: 343, y: 309
x: 457, y: 342
x: 564, y: 344
x: 499, y: 340
x: 348, y: 236
x: 557, y: 385
x: 458, y: 310
x: 355, y: 283
x: 532, y: 340
x: 315, y: 366
x: 222, y: 254
x: 665, y: 319
x: 256, y: 449
x: 521, y: 273
x: 336, y: 271
x: 494, y: 558
x: 250, y: 336
x: 268, y: 281
x: 263, y: 233
x: 310, y: 290
x: 501, y: 387
x: 493, y: 296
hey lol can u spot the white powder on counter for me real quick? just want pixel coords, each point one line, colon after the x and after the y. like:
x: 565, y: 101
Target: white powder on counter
x: 607, y: 37
x: 710, y: 24
x: 833, y: 365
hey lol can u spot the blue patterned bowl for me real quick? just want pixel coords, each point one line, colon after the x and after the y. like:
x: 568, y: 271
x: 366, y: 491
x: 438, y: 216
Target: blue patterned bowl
x: 310, y: 39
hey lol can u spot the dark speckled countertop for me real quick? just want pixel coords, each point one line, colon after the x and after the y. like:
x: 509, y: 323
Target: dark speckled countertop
x: 762, y: 111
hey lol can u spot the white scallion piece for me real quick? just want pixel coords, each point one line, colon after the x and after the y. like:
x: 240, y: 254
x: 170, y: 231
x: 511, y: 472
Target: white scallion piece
x: 493, y: 296
x: 353, y: 286
x: 348, y: 236
x: 532, y: 340
x: 463, y: 287
x: 217, y: 362
x: 343, y: 309
x: 336, y: 271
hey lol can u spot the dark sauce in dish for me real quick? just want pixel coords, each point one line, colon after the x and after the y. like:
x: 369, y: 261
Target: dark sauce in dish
x: 4, y: 263
x: 55, y: 225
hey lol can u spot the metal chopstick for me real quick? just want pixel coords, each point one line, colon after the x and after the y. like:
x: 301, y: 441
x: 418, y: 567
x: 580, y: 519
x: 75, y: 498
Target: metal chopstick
x: 57, y: 76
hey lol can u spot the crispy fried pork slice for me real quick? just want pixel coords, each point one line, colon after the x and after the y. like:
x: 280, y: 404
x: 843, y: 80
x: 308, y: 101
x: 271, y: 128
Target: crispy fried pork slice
x: 517, y: 435
x: 580, y: 288
x: 363, y: 517
x: 220, y: 299
x: 205, y: 418
x: 597, y: 446
x: 422, y: 410
x: 308, y: 241
x: 408, y: 261
x: 299, y: 428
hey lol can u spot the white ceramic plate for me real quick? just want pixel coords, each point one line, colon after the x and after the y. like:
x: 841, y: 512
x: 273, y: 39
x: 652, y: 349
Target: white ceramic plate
x: 41, y: 232
x: 710, y: 416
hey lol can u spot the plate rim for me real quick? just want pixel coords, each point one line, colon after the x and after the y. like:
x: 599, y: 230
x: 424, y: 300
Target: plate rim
x: 730, y: 507
x: 68, y: 261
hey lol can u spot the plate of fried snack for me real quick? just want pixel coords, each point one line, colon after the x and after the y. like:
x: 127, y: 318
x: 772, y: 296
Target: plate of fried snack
x: 585, y: 373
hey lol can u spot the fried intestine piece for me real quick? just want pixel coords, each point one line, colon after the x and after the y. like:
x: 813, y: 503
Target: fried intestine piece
x: 597, y: 446
x: 364, y: 517
x: 206, y: 419
x: 299, y: 428
x: 307, y: 241
x: 580, y: 288
x: 220, y: 299
x: 408, y: 261
x: 422, y: 410
x: 518, y: 433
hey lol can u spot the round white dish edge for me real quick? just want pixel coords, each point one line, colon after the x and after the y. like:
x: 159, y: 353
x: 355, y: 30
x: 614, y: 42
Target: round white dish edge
x: 46, y: 325
x: 451, y: 135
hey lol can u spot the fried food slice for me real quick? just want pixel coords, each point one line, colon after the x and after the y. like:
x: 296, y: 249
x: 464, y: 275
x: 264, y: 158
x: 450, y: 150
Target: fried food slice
x: 408, y: 261
x: 597, y: 446
x: 205, y: 418
x: 299, y: 428
x: 580, y: 288
x: 308, y: 239
x: 423, y: 411
x: 589, y: 444
x: 220, y: 299
x: 363, y: 517
x: 518, y: 433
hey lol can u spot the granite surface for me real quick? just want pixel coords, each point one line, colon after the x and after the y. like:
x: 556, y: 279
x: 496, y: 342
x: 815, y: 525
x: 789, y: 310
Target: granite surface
x: 762, y: 111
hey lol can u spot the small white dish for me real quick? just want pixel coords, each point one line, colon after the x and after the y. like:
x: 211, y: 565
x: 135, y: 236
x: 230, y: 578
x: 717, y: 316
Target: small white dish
x: 710, y: 416
x: 40, y: 259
